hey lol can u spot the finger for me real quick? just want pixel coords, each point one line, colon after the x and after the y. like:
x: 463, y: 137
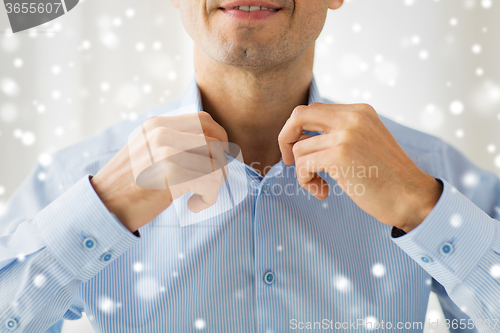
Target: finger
x: 306, y: 170
x: 162, y: 137
x: 316, y: 117
x: 206, y: 191
x: 194, y: 123
x: 182, y: 181
x: 318, y: 187
x: 318, y: 143
x: 189, y: 123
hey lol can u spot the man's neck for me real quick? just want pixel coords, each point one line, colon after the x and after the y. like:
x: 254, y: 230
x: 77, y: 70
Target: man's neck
x: 253, y: 104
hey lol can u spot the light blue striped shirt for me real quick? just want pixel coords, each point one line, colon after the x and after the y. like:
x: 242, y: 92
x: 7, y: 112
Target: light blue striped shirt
x: 276, y: 262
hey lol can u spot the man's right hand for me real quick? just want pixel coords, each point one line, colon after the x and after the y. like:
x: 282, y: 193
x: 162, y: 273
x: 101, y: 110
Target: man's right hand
x: 172, y: 142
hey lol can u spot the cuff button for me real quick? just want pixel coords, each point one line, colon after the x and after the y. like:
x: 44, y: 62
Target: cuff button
x: 89, y: 243
x: 426, y: 259
x: 11, y: 324
x: 106, y: 256
x: 446, y: 249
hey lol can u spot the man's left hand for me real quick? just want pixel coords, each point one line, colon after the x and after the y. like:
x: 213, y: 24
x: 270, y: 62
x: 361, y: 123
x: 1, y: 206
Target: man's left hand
x: 363, y: 157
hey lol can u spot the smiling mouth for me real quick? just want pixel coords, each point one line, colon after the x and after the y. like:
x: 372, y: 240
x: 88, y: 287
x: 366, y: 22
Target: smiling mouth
x: 252, y: 8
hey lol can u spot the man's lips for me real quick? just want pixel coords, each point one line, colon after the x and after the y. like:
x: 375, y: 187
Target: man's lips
x: 250, y: 5
x: 250, y: 10
x: 255, y: 15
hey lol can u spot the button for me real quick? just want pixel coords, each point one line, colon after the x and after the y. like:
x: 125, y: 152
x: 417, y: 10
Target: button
x: 89, y: 243
x: 426, y: 259
x: 106, y: 256
x: 265, y: 187
x: 11, y: 324
x: 269, y: 277
x: 446, y: 249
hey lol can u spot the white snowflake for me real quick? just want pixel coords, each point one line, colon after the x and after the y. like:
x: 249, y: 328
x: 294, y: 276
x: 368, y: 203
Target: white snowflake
x: 200, y: 324
x: 138, y: 266
x: 378, y: 270
x: 106, y: 304
x: 423, y: 54
x: 104, y: 86
x: 495, y: 271
x: 39, y: 280
x: 56, y: 69
x: 356, y: 27
x: 456, y: 220
x: 156, y: 46
x: 431, y: 117
x: 18, y: 62
x: 130, y: 12
x: 342, y: 283
x: 40, y: 108
x: 139, y: 47
x: 28, y: 138
x: 8, y: 113
x: 147, y: 288
x: 486, y: 4
x: 470, y: 179
x: 497, y: 161
x: 456, y: 107
x: 370, y: 322
x: 9, y: 87
x: 476, y: 48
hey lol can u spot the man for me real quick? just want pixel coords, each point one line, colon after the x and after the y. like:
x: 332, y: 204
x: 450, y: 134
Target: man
x: 88, y: 238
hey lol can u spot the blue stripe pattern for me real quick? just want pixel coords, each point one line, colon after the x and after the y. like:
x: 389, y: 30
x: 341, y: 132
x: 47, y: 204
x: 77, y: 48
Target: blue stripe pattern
x: 328, y: 263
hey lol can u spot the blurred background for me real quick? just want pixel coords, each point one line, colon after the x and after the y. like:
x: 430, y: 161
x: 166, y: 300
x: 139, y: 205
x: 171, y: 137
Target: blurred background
x: 428, y: 64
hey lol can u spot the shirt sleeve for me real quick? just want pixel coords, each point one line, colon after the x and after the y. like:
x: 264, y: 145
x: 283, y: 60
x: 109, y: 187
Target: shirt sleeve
x: 458, y: 243
x: 51, y: 241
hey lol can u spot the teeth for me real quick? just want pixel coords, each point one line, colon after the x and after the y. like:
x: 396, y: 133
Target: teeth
x: 254, y: 8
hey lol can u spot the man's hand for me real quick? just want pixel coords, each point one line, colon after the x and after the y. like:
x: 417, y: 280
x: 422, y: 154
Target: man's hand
x: 168, y: 158
x: 392, y: 188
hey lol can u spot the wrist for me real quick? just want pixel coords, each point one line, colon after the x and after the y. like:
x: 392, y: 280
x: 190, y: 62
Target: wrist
x: 118, y: 212
x: 422, y: 204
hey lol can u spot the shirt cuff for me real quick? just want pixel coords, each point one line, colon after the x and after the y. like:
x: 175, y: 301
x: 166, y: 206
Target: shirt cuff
x: 452, y: 240
x: 81, y: 233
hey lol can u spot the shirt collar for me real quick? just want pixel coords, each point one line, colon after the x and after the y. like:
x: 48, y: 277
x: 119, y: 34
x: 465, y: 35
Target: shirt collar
x: 192, y: 94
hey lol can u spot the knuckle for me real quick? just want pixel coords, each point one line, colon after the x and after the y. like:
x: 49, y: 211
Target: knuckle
x: 365, y: 106
x: 317, y: 104
x: 297, y: 148
x: 368, y: 109
x: 155, y: 136
x: 344, y: 136
x: 299, y: 162
x: 342, y: 149
x: 205, y: 117
x: 359, y: 118
x: 299, y: 110
x: 152, y: 122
